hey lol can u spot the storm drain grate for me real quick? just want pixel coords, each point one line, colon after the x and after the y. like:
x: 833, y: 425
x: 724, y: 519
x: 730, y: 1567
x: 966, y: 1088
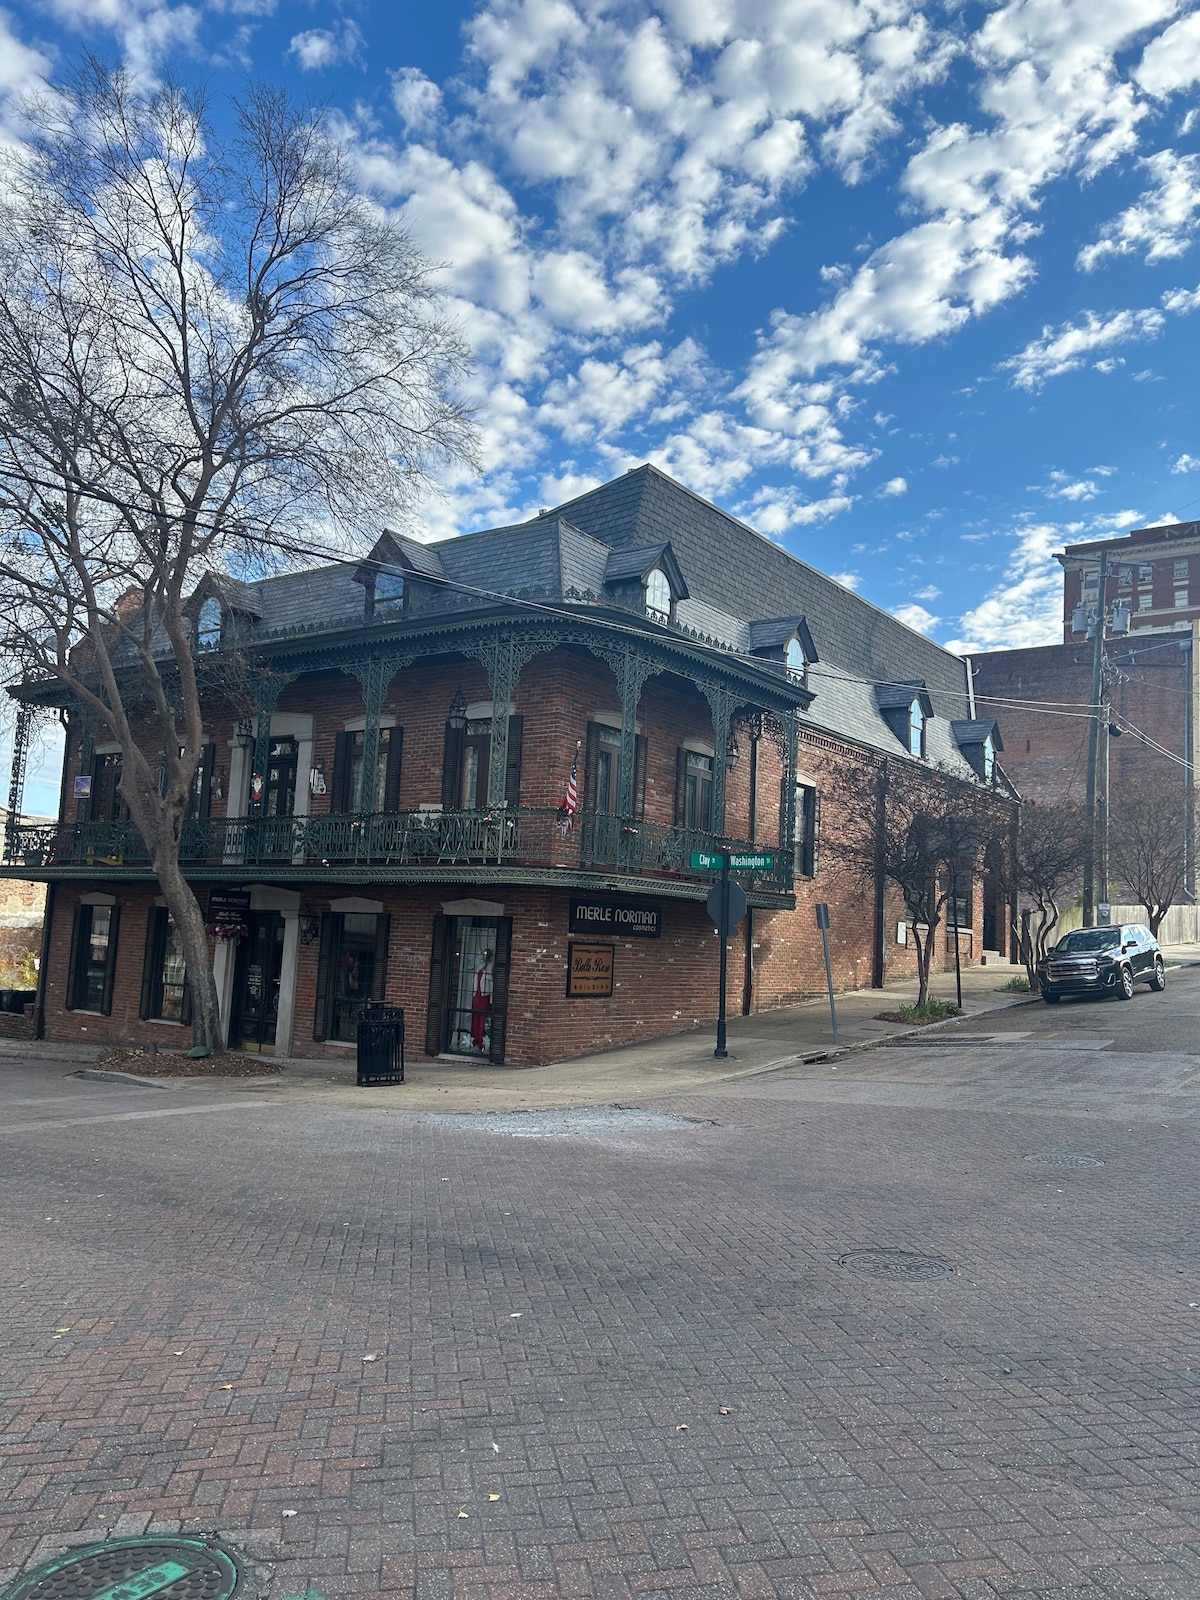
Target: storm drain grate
x: 1063, y: 1158
x: 162, y: 1568
x: 905, y: 1264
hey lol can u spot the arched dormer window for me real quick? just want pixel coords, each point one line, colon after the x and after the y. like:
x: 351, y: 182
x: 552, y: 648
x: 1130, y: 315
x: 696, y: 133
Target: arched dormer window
x: 916, y: 729
x: 208, y: 624
x: 795, y: 662
x: 658, y: 595
x: 989, y: 759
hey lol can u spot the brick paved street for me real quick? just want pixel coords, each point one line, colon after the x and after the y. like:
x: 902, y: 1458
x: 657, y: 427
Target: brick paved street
x: 627, y: 1361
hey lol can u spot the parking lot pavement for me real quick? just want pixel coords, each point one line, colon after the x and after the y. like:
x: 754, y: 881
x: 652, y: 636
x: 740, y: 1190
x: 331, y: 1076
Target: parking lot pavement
x: 611, y: 1354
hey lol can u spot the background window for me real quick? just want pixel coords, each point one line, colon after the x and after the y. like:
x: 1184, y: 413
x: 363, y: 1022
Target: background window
x: 1181, y: 568
x: 796, y: 664
x: 807, y: 817
x: 693, y: 791
x: 1181, y: 597
x: 347, y: 773
x: 164, y: 974
x: 93, y: 959
x: 916, y: 729
x: 989, y: 759
x: 351, y: 971
x: 658, y: 596
x: 208, y: 624
x: 465, y: 761
x: 1145, y: 602
x: 1146, y: 573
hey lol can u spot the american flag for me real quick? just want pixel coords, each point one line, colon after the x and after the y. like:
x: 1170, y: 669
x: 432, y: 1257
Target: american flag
x: 570, y: 800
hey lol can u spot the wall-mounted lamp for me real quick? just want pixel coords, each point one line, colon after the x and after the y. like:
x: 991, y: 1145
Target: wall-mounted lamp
x: 732, y: 753
x: 456, y: 718
x: 309, y: 927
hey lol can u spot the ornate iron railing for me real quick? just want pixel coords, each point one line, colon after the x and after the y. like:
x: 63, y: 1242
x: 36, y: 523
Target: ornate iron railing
x: 506, y: 836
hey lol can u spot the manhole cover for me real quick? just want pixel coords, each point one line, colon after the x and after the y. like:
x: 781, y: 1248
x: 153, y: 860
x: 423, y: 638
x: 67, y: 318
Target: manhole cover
x: 897, y: 1264
x: 1063, y: 1158
x: 152, y: 1568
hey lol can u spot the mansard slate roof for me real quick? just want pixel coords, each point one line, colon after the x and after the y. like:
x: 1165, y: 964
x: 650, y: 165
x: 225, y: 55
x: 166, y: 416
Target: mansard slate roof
x: 742, y: 589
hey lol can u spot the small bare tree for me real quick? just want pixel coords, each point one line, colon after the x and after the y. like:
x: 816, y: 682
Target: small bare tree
x: 936, y: 826
x: 1043, y: 869
x: 213, y: 349
x: 1149, y: 849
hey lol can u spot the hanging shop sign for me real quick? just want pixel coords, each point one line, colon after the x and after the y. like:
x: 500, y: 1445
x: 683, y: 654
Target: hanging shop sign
x: 83, y: 786
x: 622, y: 918
x: 228, y: 905
x: 589, y: 971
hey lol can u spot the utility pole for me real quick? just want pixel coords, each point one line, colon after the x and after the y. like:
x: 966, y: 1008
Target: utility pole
x: 1090, y: 850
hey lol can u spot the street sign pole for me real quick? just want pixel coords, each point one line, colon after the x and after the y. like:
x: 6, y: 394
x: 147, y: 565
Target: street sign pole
x: 823, y: 924
x: 720, y: 1053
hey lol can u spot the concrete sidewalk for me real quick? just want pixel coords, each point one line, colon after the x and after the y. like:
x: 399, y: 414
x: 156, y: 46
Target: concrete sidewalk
x: 759, y: 1043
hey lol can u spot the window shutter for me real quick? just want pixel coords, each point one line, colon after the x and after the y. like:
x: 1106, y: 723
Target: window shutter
x: 79, y: 933
x: 814, y: 852
x: 512, y: 775
x: 452, y: 768
x: 152, y: 963
x: 208, y: 756
x: 681, y: 788
x: 435, y: 1013
x: 330, y: 923
x: 591, y: 766
x: 110, y: 967
x: 339, y: 794
x: 391, y: 776
x: 500, y: 969
x: 639, y: 776
x: 383, y: 925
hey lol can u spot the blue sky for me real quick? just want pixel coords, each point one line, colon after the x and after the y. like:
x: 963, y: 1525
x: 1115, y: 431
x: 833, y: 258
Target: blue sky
x: 912, y: 288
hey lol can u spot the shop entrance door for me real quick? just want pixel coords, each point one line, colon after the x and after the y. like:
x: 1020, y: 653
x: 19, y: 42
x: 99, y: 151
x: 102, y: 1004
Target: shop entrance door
x: 468, y: 987
x: 256, y: 984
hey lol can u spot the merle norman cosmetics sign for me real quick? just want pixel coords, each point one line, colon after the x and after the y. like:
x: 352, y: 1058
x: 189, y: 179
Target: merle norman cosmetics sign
x: 615, y: 917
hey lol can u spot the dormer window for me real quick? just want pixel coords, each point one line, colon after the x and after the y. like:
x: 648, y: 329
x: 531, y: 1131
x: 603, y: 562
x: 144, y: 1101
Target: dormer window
x: 916, y: 729
x: 208, y: 624
x: 989, y: 759
x: 794, y: 661
x: 658, y: 595
x: 389, y: 588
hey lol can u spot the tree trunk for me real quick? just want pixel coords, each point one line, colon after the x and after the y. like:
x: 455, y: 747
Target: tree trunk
x: 1156, y: 918
x: 189, y: 919
x: 924, y: 951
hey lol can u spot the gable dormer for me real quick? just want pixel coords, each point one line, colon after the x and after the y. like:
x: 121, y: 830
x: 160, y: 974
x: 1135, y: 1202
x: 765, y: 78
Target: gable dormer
x: 979, y: 740
x: 906, y: 708
x: 787, y: 642
x: 221, y: 610
x: 646, y: 578
x: 392, y: 569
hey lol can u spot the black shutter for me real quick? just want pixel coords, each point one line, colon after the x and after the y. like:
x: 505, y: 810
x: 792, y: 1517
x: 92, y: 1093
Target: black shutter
x: 383, y: 925
x: 452, y: 768
x: 156, y: 925
x: 339, y: 794
x: 500, y: 967
x: 439, y: 963
x: 815, y: 815
x: 512, y: 775
x: 110, y: 966
x: 391, y: 775
x: 639, y: 776
x: 203, y: 800
x: 80, y: 930
x: 591, y: 767
x: 330, y: 927
x: 681, y: 788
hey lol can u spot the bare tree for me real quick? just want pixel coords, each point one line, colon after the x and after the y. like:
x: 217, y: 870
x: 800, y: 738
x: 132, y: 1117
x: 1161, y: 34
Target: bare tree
x: 211, y: 345
x: 935, y: 826
x: 1043, y: 869
x: 1149, y: 849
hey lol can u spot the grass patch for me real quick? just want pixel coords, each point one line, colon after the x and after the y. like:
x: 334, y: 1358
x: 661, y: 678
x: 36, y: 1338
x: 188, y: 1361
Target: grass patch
x: 920, y: 1016
x: 1015, y: 986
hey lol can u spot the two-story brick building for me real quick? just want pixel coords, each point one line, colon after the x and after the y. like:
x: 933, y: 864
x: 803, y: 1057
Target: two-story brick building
x: 470, y: 778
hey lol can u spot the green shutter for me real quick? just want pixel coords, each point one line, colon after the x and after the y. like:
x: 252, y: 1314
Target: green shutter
x: 512, y: 775
x: 391, y: 777
x: 339, y: 793
x: 383, y: 925
x: 439, y: 963
x: 639, y: 776
x: 80, y: 930
x: 500, y: 971
x: 156, y: 927
x: 330, y: 926
x: 452, y: 768
x: 681, y: 788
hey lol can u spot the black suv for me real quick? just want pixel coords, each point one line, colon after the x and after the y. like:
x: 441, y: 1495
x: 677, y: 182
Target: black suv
x: 1102, y: 961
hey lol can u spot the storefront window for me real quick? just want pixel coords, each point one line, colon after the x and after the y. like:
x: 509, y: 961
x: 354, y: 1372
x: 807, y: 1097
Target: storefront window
x: 164, y: 976
x: 94, y: 958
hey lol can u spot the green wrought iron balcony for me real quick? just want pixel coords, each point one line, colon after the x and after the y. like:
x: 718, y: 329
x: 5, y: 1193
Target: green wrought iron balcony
x: 390, y: 844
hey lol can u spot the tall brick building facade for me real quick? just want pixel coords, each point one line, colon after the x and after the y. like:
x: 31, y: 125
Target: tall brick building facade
x: 387, y: 820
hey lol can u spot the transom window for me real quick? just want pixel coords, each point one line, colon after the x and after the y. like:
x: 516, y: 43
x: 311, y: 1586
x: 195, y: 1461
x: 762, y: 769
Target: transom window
x: 658, y: 596
x: 916, y: 729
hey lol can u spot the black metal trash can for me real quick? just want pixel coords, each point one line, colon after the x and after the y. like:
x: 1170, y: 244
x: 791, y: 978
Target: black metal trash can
x: 381, y: 1044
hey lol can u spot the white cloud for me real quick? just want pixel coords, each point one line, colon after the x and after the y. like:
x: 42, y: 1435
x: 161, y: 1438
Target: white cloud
x: 417, y: 99
x: 1063, y: 487
x: 1162, y: 223
x: 1026, y: 607
x: 1068, y: 348
x: 894, y: 486
x: 930, y: 592
x: 775, y: 510
x: 850, y: 580
x: 1187, y: 463
x: 319, y: 48
x: 916, y: 617
x: 1172, y: 61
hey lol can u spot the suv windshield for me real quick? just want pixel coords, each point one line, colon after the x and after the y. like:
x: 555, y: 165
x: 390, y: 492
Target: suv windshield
x: 1089, y: 940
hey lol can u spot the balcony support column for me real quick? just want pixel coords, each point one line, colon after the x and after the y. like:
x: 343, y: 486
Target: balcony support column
x: 16, y: 787
x: 375, y: 674
x: 504, y: 659
x: 721, y: 703
x: 266, y: 697
x: 783, y: 729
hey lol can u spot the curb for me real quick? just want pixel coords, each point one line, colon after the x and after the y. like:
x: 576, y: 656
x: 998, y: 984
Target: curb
x: 99, y: 1075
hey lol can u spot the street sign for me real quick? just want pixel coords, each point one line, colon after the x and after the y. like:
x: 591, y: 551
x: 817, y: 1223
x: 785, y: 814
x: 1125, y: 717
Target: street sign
x: 736, y: 907
x: 823, y: 923
x: 822, y: 916
x: 739, y: 861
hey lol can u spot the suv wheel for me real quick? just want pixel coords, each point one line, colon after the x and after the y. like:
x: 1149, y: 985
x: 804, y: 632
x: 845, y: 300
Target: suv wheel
x: 1159, y: 980
x: 1125, y: 984
x: 1051, y: 997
